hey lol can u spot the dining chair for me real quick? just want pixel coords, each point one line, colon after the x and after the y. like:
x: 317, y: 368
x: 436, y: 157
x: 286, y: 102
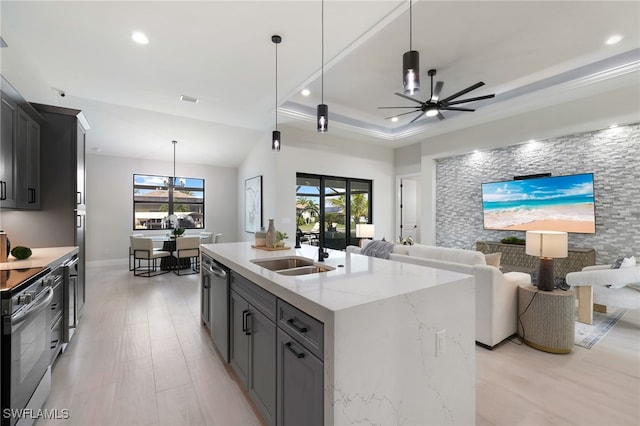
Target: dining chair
x: 131, y: 237
x: 216, y: 238
x: 206, y: 237
x: 143, y: 250
x: 187, y: 248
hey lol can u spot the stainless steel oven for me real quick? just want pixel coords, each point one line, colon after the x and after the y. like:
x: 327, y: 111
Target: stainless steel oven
x: 26, y: 353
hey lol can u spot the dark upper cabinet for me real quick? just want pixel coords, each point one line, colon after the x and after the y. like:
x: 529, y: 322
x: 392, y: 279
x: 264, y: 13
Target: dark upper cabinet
x: 19, y: 151
x: 8, y: 140
x: 28, y: 191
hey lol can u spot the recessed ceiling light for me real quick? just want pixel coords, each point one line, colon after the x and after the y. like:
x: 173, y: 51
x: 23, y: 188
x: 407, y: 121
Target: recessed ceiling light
x: 189, y: 99
x: 394, y: 119
x: 614, y: 39
x: 305, y: 92
x: 139, y: 38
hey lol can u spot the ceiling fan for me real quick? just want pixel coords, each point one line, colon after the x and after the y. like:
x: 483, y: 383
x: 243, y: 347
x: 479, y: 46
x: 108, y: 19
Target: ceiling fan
x: 434, y: 105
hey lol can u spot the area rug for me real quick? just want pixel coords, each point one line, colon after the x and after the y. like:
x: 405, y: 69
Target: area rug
x: 588, y: 335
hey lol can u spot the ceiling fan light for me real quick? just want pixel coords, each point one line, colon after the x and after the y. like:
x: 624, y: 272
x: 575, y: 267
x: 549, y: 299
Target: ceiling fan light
x: 411, y: 72
x: 432, y: 112
x: 275, y: 140
x: 323, y: 118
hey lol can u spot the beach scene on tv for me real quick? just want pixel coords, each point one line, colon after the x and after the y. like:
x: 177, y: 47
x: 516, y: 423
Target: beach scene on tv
x: 560, y: 203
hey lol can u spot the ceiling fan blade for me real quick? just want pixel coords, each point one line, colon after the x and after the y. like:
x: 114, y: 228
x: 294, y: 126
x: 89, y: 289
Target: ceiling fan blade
x: 440, y: 116
x: 462, y: 92
x: 446, y: 108
x: 437, y: 91
x: 404, y: 113
x: 408, y: 97
x: 479, y: 98
x: 417, y: 116
x: 399, y: 107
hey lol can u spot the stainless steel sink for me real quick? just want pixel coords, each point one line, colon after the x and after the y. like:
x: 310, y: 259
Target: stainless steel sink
x: 292, y: 265
x: 304, y: 270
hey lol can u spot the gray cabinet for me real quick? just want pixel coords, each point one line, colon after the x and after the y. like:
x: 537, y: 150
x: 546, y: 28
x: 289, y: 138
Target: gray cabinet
x: 28, y: 192
x: 19, y: 152
x: 9, y: 120
x: 63, y: 218
x: 300, y: 367
x: 253, y: 342
x: 300, y: 384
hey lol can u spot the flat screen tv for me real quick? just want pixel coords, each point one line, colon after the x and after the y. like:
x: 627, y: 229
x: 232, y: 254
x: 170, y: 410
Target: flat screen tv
x: 558, y: 203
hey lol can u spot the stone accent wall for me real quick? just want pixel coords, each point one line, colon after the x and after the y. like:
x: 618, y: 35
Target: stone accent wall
x: 613, y: 155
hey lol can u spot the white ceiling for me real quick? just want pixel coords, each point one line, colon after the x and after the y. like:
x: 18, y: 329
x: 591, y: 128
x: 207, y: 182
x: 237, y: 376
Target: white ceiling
x: 528, y: 53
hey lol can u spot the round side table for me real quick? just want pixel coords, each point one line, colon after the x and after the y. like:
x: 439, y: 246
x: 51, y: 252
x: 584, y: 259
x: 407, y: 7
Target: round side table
x: 546, y: 319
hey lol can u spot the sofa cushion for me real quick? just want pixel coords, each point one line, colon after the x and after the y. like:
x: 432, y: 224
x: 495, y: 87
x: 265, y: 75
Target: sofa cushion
x: 401, y: 249
x: 493, y: 259
x: 467, y: 257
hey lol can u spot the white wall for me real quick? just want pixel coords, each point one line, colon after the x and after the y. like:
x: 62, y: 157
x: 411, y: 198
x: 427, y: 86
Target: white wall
x: 110, y: 203
x: 307, y: 151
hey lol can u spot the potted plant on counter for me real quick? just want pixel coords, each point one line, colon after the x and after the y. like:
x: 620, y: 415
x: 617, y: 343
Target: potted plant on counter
x: 177, y: 232
x: 280, y: 238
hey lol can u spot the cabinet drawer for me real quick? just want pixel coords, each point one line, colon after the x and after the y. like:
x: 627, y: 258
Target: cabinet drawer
x: 56, y: 303
x: 260, y: 298
x: 56, y: 339
x: 303, y: 327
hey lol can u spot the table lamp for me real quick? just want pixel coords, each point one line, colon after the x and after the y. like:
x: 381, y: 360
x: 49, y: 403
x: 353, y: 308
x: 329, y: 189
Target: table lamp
x: 365, y: 230
x: 547, y: 245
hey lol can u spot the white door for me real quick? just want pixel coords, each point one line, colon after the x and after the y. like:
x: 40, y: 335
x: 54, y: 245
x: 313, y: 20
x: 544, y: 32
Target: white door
x: 409, y: 209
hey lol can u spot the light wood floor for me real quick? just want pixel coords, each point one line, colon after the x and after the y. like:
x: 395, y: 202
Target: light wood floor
x: 140, y: 357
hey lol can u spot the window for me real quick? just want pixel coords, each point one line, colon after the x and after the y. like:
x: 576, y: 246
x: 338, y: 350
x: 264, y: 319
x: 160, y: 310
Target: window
x: 159, y: 205
x: 333, y: 216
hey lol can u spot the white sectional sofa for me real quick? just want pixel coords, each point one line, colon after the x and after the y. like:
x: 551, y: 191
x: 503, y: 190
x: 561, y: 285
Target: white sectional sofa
x: 496, y: 293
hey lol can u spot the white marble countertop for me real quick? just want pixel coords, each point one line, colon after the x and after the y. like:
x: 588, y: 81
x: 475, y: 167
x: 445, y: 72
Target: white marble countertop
x: 40, y: 258
x: 360, y: 280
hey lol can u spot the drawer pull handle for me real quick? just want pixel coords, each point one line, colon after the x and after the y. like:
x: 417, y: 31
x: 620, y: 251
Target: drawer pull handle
x: 296, y: 353
x: 244, y: 321
x: 301, y: 328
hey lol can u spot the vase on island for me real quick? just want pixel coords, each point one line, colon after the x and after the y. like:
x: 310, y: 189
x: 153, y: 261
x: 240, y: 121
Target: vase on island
x: 271, y: 235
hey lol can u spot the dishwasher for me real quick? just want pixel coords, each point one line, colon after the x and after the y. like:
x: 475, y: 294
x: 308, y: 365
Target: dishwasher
x: 215, y: 302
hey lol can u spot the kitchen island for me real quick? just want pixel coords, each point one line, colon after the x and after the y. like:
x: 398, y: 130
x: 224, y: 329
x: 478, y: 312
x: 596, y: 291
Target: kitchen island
x: 397, y: 344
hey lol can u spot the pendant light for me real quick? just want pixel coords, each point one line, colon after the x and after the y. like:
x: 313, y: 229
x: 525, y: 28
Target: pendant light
x: 411, y: 64
x: 323, y: 109
x: 275, y: 136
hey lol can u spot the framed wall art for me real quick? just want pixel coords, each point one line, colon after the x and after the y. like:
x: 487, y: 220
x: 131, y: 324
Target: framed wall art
x: 253, y: 204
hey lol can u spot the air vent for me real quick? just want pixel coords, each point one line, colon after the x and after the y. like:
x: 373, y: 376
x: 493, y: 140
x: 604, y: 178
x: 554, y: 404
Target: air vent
x: 189, y: 99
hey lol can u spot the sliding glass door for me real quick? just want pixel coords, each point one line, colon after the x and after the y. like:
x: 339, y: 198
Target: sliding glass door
x: 328, y: 208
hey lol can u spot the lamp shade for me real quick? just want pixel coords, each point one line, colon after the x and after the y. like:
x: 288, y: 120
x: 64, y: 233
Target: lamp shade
x: 365, y: 230
x: 549, y: 244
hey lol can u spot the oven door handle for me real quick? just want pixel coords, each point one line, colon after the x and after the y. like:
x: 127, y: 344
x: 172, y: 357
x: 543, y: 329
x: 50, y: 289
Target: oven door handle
x: 24, y: 316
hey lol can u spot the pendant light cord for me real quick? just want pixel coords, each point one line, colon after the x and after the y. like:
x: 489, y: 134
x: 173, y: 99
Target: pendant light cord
x: 410, y: 24
x: 322, y: 54
x: 173, y: 178
x: 276, y: 86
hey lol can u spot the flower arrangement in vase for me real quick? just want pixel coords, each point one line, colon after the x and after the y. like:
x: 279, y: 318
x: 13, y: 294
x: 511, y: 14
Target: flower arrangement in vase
x: 177, y: 232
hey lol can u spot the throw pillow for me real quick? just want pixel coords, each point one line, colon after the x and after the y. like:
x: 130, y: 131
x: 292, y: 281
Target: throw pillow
x: 628, y: 262
x: 493, y: 259
x: 617, y: 263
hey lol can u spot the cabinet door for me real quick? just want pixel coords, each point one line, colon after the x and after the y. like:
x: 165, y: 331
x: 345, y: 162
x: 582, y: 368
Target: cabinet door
x: 262, y: 360
x: 300, y: 384
x: 238, y: 338
x: 27, y: 162
x: 9, y: 120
